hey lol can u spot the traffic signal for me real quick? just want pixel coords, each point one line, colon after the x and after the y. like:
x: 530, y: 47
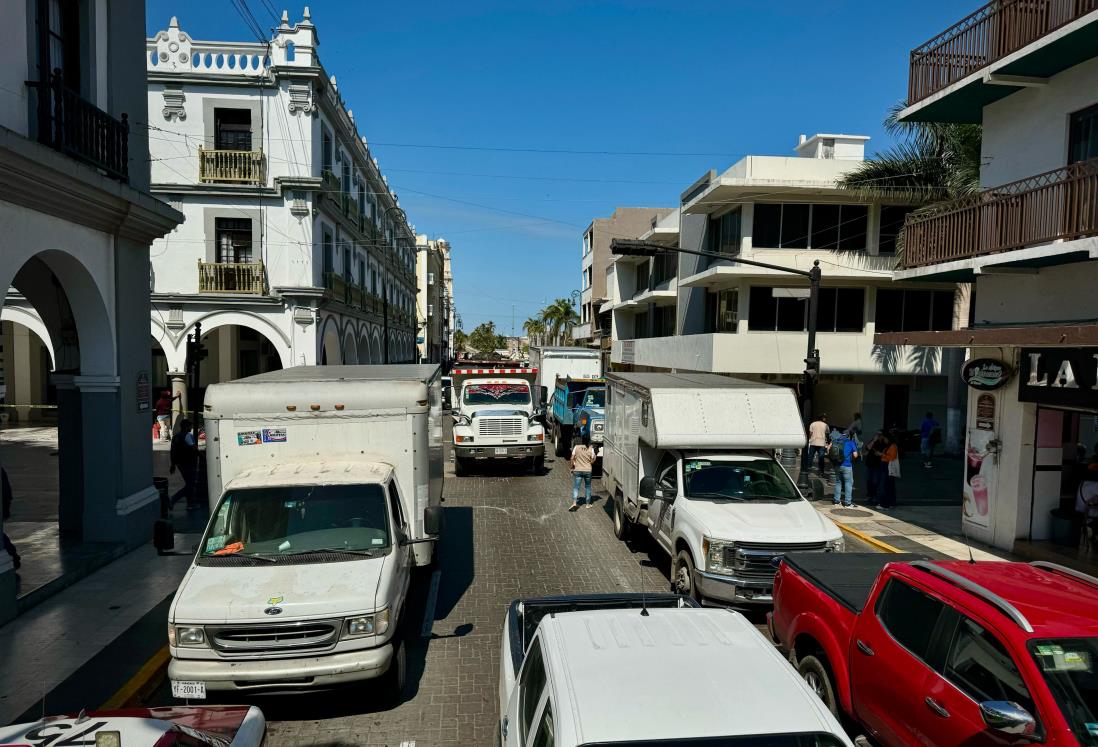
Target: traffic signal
x: 812, y: 367
x: 196, y: 351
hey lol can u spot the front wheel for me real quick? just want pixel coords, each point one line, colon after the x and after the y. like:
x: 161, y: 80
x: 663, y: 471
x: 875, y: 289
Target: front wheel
x: 537, y: 466
x: 622, y: 526
x: 396, y: 676
x: 560, y: 448
x: 819, y: 679
x: 682, y: 576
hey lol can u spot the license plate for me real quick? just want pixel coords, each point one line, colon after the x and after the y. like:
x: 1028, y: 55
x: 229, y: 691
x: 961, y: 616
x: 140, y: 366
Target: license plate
x: 189, y: 690
x: 501, y: 452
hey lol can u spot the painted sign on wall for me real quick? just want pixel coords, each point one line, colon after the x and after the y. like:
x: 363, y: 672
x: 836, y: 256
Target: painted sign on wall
x: 985, y: 373
x: 144, y: 392
x: 1059, y: 376
x: 981, y: 463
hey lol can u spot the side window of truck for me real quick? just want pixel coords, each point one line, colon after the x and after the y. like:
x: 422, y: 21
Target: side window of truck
x: 981, y: 667
x: 394, y: 505
x: 546, y: 735
x: 667, y: 473
x: 910, y: 616
x: 531, y: 686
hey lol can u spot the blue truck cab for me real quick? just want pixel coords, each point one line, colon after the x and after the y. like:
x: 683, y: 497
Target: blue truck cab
x: 578, y: 408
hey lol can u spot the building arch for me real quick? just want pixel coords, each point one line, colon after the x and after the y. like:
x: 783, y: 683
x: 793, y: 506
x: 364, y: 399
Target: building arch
x: 252, y: 321
x: 174, y: 350
x: 350, y: 347
x: 30, y: 319
x: 330, y: 353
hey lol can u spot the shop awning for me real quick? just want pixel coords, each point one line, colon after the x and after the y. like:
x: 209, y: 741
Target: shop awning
x: 1019, y: 336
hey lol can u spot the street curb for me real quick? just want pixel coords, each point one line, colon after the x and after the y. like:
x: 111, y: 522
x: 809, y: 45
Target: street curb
x: 866, y: 538
x: 147, y: 678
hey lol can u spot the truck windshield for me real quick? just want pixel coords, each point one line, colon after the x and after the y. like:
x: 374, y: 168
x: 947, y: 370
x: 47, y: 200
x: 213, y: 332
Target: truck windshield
x: 592, y: 398
x: 496, y: 394
x: 323, y: 522
x: 1070, y: 667
x: 751, y: 479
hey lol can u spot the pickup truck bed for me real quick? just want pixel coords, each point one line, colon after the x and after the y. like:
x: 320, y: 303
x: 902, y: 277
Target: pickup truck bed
x: 845, y: 577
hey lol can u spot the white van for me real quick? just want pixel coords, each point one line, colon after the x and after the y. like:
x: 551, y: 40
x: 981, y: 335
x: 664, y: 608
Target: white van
x: 689, y: 458
x: 325, y: 484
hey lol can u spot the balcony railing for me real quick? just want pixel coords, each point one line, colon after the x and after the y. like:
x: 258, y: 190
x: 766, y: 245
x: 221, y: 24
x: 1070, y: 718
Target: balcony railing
x: 329, y: 184
x: 230, y: 166
x: 1057, y: 205
x: 232, y: 277
x: 991, y: 33
x: 355, y: 298
x: 80, y: 129
x: 336, y: 286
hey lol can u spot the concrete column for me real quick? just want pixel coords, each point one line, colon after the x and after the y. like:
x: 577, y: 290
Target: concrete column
x: 22, y: 369
x: 70, y: 459
x: 178, y: 380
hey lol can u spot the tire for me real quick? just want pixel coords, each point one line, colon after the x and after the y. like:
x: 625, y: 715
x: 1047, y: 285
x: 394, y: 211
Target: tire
x: 537, y: 466
x: 560, y: 448
x: 460, y: 470
x: 395, y: 678
x: 682, y: 576
x: 816, y: 674
x: 623, y: 528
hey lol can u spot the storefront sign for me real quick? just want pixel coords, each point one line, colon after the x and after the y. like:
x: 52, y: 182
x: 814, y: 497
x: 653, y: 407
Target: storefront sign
x: 985, y: 373
x: 981, y: 464
x: 1059, y: 376
x: 144, y: 392
x: 985, y: 412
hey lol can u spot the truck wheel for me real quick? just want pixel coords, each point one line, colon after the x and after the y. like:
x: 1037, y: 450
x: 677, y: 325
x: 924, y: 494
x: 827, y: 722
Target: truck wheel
x: 622, y: 527
x: 560, y: 448
x: 819, y: 679
x: 460, y: 469
x: 682, y: 576
x: 395, y: 677
x: 537, y: 466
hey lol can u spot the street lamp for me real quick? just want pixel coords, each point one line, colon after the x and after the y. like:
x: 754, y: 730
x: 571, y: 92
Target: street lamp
x: 638, y: 248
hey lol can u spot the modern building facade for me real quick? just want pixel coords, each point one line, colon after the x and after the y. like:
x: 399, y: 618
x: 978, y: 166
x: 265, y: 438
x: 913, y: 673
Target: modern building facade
x: 690, y: 313
x: 77, y: 221
x: 593, y: 329
x: 433, y: 300
x: 1028, y: 244
x: 294, y: 251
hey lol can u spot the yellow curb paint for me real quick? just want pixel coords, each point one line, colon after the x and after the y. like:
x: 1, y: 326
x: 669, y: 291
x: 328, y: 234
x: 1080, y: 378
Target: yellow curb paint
x: 866, y: 538
x: 141, y: 683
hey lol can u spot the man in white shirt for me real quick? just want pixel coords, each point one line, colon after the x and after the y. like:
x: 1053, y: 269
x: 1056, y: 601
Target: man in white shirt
x: 818, y: 440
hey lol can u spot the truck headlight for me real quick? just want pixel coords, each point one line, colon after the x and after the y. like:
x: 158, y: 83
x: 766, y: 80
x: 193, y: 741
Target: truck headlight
x: 836, y: 545
x: 463, y: 439
x: 363, y: 625
x: 535, y: 436
x: 713, y: 549
x: 186, y: 635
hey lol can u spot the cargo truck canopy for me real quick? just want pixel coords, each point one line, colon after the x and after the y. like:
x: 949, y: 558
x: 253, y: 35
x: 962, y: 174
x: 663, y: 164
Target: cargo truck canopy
x: 707, y: 410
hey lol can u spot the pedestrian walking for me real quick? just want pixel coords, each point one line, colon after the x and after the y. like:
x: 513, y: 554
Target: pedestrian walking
x: 5, y: 512
x: 930, y: 435
x: 583, y: 459
x: 874, y: 467
x: 843, y: 453
x: 891, y: 461
x: 184, y: 457
x: 1086, y: 507
x: 164, y: 414
x: 855, y: 427
x: 818, y: 441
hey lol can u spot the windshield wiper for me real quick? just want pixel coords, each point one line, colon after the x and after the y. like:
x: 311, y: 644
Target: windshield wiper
x: 367, y: 553
x: 266, y: 557
x: 720, y: 496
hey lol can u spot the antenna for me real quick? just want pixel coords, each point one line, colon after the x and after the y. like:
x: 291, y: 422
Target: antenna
x: 968, y: 546
x: 644, y: 604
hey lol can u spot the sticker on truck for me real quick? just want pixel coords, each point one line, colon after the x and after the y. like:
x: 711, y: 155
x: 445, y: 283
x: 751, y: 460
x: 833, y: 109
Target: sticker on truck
x: 248, y: 438
x: 274, y: 435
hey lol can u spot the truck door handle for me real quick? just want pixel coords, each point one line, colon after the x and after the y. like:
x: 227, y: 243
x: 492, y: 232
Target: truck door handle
x: 935, y: 706
x: 503, y: 728
x: 864, y: 647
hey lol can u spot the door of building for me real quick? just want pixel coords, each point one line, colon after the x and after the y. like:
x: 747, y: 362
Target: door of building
x: 896, y: 398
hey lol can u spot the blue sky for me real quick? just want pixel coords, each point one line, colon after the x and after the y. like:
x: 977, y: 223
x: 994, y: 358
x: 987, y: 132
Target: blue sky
x: 435, y: 86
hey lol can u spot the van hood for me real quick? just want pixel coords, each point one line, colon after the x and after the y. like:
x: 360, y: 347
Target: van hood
x: 734, y: 521
x: 216, y: 594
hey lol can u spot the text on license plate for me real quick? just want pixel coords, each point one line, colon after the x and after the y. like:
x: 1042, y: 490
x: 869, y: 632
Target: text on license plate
x: 501, y: 452
x: 191, y: 690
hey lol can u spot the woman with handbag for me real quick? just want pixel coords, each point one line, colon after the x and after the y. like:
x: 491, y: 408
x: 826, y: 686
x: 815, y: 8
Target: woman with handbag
x: 890, y: 461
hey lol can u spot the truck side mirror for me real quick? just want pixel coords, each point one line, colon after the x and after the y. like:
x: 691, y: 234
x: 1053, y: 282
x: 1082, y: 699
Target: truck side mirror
x: 432, y: 519
x: 543, y: 392
x: 648, y: 488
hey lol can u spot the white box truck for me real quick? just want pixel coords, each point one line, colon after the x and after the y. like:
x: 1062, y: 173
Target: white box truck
x: 498, y: 416
x: 325, y: 484
x: 555, y: 363
x: 689, y: 459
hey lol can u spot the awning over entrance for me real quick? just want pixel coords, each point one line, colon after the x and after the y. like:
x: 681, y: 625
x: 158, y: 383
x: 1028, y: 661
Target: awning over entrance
x: 1043, y: 335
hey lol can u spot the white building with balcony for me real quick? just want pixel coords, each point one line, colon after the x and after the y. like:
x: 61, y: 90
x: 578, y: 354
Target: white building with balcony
x: 432, y: 299
x: 688, y: 313
x: 294, y: 250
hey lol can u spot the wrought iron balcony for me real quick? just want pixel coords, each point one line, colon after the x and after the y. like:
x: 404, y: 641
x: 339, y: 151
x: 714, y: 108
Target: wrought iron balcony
x: 1059, y: 205
x: 337, y: 287
x: 80, y: 129
x: 355, y: 296
x: 329, y: 185
x: 231, y: 166
x: 996, y: 30
x: 232, y: 277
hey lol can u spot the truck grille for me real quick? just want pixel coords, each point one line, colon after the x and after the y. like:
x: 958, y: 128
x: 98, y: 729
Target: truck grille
x: 753, y: 559
x: 295, y: 636
x: 501, y: 426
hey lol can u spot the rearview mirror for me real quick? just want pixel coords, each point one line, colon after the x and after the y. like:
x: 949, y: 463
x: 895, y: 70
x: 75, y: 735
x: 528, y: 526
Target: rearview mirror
x: 648, y: 488
x: 432, y: 519
x: 543, y: 392
x: 1007, y: 717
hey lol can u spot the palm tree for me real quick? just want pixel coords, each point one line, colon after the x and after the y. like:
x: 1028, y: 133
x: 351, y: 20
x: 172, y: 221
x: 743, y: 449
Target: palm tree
x: 535, y: 329
x: 559, y: 317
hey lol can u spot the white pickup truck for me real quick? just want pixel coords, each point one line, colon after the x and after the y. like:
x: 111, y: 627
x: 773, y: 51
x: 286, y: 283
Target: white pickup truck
x: 498, y: 415
x: 689, y: 458
x: 325, y: 485
x: 646, y: 670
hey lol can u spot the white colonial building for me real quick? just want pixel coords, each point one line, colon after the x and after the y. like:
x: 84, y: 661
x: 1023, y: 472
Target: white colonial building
x: 294, y: 250
x: 690, y: 313
x: 433, y: 302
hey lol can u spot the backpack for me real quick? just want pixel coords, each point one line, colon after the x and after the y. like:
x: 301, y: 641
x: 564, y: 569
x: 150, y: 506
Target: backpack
x: 836, y: 453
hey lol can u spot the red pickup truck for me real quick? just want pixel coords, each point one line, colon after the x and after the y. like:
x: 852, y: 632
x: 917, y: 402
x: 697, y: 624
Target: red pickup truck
x: 944, y: 652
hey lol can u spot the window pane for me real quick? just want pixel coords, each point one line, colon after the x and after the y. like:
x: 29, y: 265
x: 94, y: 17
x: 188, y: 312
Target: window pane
x: 767, y: 230
x: 546, y: 736
x: 852, y: 228
x: 889, y: 310
x: 713, y: 235
x: 795, y: 226
x: 762, y: 313
x: 825, y: 226
x: 825, y: 313
x: 791, y: 314
x: 917, y: 310
x: 850, y: 310
x: 728, y: 311
x: 980, y: 667
x: 942, y: 311
x: 1083, y: 136
x: 909, y: 616
x: 530, y: 687
x: 892, y: 222
x: 730, y: 232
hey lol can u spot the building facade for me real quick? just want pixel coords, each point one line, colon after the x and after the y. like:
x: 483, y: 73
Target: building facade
x: 433, y: 300
x: 1028, y: 244
x: 593, y: 329
x: 77, y: 222
x: 294, y: 251
x: 690, y: 313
